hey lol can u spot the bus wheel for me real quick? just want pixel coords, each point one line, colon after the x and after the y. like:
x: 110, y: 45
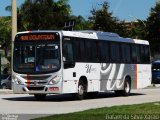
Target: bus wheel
x: 40, y: 97
x: 126, y: 90
x: 127, y: 87
x: 81, y: 91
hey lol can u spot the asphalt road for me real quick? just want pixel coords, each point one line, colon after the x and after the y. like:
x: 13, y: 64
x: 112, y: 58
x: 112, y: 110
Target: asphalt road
x: 18, y: 105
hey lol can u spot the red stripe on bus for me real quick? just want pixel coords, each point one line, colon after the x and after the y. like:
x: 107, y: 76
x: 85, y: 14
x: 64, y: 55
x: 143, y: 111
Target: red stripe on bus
x: 28, y: 80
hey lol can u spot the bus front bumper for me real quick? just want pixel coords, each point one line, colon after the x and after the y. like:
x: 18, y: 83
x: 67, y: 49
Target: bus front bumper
x: 43, y: 89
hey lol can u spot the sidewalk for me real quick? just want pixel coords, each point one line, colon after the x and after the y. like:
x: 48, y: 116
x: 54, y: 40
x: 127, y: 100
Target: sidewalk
x: 154, y: 86
x: 6, y: 91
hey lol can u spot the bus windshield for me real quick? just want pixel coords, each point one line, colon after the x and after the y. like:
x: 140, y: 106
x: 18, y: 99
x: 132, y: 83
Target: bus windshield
x: 36, y: 57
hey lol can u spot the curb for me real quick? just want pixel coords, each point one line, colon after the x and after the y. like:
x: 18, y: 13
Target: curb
x: 6, y: 91
x: 153, y: 86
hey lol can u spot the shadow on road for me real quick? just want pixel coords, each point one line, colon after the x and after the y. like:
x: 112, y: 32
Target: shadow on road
x: 68, y: 97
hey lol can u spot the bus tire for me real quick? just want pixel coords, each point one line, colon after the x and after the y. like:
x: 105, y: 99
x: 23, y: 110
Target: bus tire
x: 126, y: 90
x: 40, y: 97
x: 81, y: 91
x: 127, y: 87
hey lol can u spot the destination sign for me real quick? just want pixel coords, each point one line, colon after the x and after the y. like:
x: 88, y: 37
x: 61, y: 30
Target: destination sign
x: 36, y: 37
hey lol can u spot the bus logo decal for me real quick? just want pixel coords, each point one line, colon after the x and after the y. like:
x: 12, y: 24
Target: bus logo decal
x: 88, y: 67
x: 112, y: 73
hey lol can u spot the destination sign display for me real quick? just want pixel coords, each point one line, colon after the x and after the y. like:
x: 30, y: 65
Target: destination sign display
x: 37, y: 37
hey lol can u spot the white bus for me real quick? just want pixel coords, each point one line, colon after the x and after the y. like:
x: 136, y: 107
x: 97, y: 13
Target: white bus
x: 78, y: 62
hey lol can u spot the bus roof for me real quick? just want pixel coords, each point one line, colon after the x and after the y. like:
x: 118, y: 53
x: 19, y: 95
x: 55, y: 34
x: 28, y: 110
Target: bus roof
x: 108, y: 36
x: 102, y: 36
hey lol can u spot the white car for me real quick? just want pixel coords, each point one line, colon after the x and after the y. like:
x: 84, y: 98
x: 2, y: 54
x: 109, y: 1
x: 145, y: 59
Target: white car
x: 6, y: 81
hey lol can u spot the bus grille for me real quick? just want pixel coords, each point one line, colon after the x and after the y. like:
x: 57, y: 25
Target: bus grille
x: 39, y: 83
x: 31, y: 77
x: 35, y: 88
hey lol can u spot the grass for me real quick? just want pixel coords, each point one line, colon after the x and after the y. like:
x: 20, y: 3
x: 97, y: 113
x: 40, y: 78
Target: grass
x: 148, y: 111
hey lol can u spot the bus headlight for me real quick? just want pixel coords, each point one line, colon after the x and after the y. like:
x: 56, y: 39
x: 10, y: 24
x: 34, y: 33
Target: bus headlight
x: 55, y: 80
x: 17, y: 80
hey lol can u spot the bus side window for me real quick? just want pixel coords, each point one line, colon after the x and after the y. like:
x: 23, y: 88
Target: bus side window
x: 134, y: 54
x: 68, y: 54
x: 88, y: 48
x: 82, y: 50
x: 103, y: 52
x: 91, y: 51
x: 146, y: 54
x: 79, y: 50
x: 125, y: 49
x: 115, y: 52
x: 138, y: 53
x: 142, y: 54
x: 94, y: 51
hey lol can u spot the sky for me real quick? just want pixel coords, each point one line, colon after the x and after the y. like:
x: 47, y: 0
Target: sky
x: 128, y: 10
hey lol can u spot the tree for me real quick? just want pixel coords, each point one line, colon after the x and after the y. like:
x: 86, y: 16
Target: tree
x: 138, y: 29
x: 80, y: 23
x: 153, y: 28
x: 103, y: 20
x: 43, y: 14
x: 5, y: 30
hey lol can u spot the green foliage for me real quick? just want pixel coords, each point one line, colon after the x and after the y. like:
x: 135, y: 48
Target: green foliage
x: 153, y: 22
x: 102, y: 19
x: 43, y: 14
x: 47, y: 15
x: 153, y: 28
x: 81, y: 23
x: 5, y: 37
x: 138, y: 29
x: 145, y: 111
x: 5, y: 30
